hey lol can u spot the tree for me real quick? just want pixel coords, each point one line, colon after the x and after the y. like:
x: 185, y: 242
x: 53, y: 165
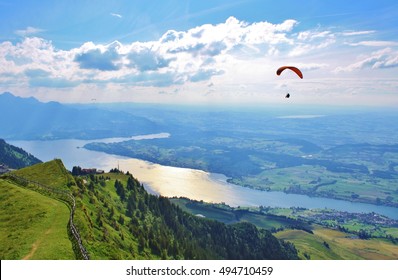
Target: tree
x: 120, y: 190
x: 91, y: 186
x: 130, y: 184
x: 76, y: 170
x: 141, y: 243
x: 362, y: 234
x: 121, y: 220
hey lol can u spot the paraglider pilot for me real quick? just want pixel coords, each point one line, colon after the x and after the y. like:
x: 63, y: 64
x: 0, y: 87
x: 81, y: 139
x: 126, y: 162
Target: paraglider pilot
x: 292, y: 68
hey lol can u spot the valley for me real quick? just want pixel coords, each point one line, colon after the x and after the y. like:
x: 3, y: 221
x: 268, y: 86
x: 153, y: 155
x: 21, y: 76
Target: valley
x: 118, y: 219
x: 321, y: 156
x: 220, y: 172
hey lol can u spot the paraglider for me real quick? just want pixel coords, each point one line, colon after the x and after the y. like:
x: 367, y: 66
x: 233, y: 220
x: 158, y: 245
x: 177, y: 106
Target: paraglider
x: 292, y: 68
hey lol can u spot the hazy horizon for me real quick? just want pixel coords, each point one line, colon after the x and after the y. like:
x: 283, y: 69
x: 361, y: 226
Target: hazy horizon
x: 225, y: 106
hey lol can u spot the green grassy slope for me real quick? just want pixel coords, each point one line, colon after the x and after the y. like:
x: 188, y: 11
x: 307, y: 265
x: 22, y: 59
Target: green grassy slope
x: 52, y: 174
x: 32, y: 226
x: 44, y: 206
x: 329, y: 244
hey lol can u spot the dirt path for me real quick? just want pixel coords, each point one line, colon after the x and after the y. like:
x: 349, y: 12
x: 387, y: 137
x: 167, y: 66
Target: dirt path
x: 36, y: 245
x: 32, y: 251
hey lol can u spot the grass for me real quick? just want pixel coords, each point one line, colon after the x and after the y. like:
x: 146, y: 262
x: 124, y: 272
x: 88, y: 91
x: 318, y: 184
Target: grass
x: 51, y: 173
x: 308, y: 245
x: 206, y: 210
x: 266, y: 222
x: 341, y: 245
x: 32, y: 226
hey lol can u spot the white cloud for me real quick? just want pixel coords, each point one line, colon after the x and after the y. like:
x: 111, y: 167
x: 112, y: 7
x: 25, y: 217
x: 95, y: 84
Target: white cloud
x: 116, y: 15
x: 189, y: 55
x: 375, y: 43
x: 29, y: 31
x: 312, y: 66
x: 301, y: 49
x: 312, y: 40
x: 312, y: 35
x: 100, y: 58
x: 385, y: 58
x: 356, y: 33
x: 217, y: 39
x: 225, y: 55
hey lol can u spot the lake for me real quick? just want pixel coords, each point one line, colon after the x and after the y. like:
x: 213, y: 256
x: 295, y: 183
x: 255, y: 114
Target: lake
x: 174, y: 181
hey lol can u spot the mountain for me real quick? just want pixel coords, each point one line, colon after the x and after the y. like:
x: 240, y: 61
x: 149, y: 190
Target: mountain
x: 117, y: 219
x: 30, y: 119
x: 15, y: 157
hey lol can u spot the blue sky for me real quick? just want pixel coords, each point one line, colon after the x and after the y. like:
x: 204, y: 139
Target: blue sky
x: 200, y: 51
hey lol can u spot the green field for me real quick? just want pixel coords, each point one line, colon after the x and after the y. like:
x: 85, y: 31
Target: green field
x: 318, y: 181
x: 206, y: 210
x: 32, y: 226
x: 326, y: 244
x: 229, y: 215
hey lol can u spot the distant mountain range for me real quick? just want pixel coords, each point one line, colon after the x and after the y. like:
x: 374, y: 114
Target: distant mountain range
x: 14, y: 157
x: 30, y: 119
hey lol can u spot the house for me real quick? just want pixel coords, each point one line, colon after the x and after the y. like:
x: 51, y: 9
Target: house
x: 87, y: 171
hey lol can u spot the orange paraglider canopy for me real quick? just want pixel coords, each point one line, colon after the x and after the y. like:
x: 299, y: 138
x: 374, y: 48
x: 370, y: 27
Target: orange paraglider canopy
x: 294, y: 69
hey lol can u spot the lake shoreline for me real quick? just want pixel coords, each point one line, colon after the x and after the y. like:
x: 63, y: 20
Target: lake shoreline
x: 184, y: 182
x: 235, y: 181
x: 311, y: 194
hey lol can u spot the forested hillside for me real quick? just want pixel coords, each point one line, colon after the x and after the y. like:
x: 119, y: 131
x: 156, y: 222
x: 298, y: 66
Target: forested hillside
x: 15, y: 157
x: 120, y: 220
